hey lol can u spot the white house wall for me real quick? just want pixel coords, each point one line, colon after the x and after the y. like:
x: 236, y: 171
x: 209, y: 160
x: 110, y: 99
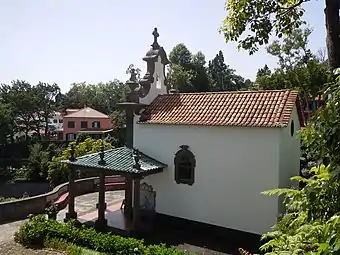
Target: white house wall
x: 289, y: 153
x: 158, y: 86
x: 233, y: 166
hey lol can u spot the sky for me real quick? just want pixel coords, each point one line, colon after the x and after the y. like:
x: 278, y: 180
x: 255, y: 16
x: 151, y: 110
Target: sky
x: 68, y: 41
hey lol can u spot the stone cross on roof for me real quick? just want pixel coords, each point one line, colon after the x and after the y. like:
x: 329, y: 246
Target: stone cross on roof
x: 155, y: 34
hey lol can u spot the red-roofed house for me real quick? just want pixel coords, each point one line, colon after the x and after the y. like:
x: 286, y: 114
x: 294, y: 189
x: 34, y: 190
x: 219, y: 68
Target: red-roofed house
x: 87, y: 121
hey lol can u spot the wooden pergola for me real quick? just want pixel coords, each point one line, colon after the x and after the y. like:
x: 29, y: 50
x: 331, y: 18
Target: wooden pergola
x: 124, y: 161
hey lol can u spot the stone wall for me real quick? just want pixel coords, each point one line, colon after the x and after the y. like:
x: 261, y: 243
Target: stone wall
x: 21, y: 209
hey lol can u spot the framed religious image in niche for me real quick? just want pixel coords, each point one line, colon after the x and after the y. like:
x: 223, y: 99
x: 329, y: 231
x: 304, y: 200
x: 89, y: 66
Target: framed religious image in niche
x: 185, y: 164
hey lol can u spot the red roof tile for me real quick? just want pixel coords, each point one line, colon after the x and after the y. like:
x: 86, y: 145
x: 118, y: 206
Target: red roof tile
x: 271, y: 108
x: 87, y: 112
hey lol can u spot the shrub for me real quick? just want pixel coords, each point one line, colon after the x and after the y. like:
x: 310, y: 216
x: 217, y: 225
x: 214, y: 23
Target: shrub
x: 311, y: 223
x: 37, y: 163
x: 38, y: 229
x: 58, y: 171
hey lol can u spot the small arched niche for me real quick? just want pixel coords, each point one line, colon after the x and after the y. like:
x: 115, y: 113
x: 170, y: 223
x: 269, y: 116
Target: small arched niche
x: 185, y: 164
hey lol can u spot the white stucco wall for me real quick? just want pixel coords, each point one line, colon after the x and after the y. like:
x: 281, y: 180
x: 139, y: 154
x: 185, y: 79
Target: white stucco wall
x: 233, y: 166
x: 157, y: 87
x: 289, y: 154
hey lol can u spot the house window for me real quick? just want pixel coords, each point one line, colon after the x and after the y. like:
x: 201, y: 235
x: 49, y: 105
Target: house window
x: 292, y: 128
x: 95, y: 124
x: 60, y: 121
x: 185, y: 164
x: 55, y: 121
x: 71, y: 124
x: 83, y: 124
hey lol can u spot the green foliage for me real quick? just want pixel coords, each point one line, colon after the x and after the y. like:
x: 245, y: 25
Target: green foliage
x: 299, y: 68
x: 261, y: 18
x: 69, y: 248
x: 311, y: 222
x: 223, y: 77
x: 189, y: 73
x: 6, y: 121
x: 292, y: 50
x: 30, y: 106
x: 118, y: 118
x: 38, y: 229
x: 102, y: 96
x: 37, y: 163
x: 251, y: 23
x: 58, y: 171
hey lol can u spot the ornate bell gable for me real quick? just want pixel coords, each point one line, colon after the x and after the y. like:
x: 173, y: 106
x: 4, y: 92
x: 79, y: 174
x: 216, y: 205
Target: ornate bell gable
x: 154, y: 81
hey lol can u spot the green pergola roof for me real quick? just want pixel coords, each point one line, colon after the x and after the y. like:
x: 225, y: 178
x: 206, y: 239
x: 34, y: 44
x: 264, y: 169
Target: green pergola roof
x: 119, y: 160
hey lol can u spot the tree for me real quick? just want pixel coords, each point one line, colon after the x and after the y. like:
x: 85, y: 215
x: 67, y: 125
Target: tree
x: 189, y: 72
x: 223, y: 77
x: 102, y: 96
x: 311, y: 223
x: 6, y: 122
x: 293, y: 50
x: 298, y: 69
x: 220, y: 73
x: 200, y: 80
x: 265, y: 71
x: 180, y: 55
x: 37, y: 163
x: 180, y: 78
x: 21, y: 98
x: 263, y: 18
x: 45, y: 100
x: 181, y: 72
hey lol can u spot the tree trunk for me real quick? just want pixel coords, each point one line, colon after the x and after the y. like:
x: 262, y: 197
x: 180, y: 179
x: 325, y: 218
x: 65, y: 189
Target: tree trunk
x: 333, y: 32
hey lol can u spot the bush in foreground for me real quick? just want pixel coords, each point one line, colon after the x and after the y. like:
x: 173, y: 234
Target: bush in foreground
x: 38, y: 229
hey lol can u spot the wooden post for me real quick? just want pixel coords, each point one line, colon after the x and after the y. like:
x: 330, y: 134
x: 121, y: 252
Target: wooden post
x: 101, y: 222
x: 71, y: 214
x: 128, y: 197
x: 136, y: 202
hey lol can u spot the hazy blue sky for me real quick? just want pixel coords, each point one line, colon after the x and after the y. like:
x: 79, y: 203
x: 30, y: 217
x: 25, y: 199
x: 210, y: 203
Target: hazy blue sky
x: 69, y: 41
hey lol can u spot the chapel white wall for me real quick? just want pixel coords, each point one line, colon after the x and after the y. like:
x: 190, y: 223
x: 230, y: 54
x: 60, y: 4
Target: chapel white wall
x: 158, y: 86
x: 233, y: 166
x: 289, y: 154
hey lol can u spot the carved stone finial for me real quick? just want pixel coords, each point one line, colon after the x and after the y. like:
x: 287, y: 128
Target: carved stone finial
x: 136, y: 158
x: 133, y: 76
x: 155, y: 34
x: 101, y: 154
x: 133, y: 84
x: 73, y: 153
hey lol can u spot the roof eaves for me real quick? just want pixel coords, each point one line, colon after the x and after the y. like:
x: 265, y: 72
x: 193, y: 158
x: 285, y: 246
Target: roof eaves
x: 274, y: 125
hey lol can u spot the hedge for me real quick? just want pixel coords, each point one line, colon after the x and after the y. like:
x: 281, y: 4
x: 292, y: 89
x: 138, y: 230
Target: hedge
x: 38, y: 229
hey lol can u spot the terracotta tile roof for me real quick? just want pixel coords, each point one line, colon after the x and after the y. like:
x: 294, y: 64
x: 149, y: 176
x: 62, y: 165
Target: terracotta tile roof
x: 87, y: 112
x: 271, y: 108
